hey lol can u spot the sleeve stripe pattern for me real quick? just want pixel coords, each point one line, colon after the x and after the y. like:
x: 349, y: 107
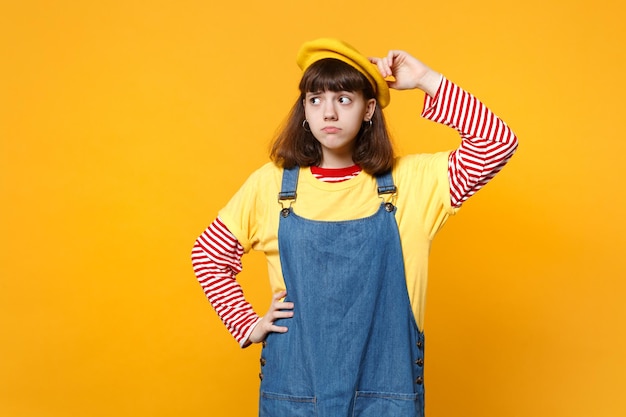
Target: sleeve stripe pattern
x: 216, y: 260
x: 487, y: 142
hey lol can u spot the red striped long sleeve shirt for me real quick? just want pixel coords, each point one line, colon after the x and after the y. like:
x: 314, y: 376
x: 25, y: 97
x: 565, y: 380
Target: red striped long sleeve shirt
x: 487, y: 145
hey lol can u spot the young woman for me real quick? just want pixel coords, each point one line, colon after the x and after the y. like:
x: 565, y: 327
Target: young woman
x: 346, y: 228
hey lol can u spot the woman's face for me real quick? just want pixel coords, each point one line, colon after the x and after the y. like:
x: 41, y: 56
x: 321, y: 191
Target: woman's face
x: 335, y: 118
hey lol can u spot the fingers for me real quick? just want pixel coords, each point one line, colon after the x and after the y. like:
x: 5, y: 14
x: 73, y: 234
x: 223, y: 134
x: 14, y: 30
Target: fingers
x: 277, y: 304
x: 279, y: 295
x: 278, y: 310
x: 387, y: 65
x: 383, y: 64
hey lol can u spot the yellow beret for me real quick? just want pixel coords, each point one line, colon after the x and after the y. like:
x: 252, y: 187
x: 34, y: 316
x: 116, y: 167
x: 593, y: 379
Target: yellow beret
x: 313, y: 51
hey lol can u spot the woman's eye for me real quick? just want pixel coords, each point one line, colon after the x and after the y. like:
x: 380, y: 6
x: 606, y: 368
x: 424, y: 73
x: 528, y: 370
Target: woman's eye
x: 345, y: 100
x: 314, y: 100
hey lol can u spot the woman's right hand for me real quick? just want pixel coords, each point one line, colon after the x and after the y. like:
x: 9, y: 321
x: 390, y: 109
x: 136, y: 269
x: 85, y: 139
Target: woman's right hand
x: 278, y: 310
x: 408, y: 71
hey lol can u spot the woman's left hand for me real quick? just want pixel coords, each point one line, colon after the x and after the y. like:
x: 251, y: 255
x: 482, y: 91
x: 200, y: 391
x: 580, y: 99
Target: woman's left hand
x: 408, y: 71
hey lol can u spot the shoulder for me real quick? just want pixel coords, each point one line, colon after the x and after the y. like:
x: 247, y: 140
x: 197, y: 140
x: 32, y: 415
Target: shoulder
x: 246, y: 213
x: 423, y: 182
x: 262, y: 182
x: 268, y: 170
x: 266, y: 176
x: 423, y: 164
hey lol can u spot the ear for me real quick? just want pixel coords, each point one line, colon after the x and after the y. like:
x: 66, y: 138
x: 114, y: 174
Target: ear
x: 370, y: 107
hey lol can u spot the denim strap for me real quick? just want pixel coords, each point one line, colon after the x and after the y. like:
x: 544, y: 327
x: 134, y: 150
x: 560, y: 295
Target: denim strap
x: 385, y: 183
x: 290, y: 183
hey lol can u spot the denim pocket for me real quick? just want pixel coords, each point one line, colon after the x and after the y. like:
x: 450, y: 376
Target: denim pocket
x: 280, y: 405
x: 388, y: 404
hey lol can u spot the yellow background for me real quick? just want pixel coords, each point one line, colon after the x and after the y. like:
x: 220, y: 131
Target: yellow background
x: 126, y: 125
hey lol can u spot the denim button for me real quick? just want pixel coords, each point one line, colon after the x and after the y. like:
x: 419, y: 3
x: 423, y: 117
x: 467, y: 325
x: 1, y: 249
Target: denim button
x: 419, y: 380
x: 419, y: 362
x: 263, y: 361
x: 419, y: 344
x: 264, y: 343
x: 261, y: 376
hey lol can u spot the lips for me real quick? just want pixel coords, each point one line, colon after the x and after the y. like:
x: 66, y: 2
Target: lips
x: 330, y: 129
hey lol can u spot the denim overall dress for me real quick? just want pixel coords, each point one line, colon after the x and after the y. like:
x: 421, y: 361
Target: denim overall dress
x: 353, y: 347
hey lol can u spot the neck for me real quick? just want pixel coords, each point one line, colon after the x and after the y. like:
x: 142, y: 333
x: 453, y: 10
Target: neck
x: 336, y: 161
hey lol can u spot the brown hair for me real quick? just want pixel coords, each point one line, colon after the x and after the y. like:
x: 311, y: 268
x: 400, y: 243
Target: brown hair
x: 294, y: 145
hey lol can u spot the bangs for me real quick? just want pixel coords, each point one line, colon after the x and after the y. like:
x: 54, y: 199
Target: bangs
x: 334, y: 75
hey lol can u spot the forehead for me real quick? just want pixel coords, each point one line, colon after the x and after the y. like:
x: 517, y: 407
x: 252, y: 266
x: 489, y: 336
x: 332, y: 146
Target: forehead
x: 334, y: 93
x: 332, y: 75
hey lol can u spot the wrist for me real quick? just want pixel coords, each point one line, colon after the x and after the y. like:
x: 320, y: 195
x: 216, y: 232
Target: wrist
x: 429, y: 82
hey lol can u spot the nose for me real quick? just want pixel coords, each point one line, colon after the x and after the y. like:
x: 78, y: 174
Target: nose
x: 329, y: 111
